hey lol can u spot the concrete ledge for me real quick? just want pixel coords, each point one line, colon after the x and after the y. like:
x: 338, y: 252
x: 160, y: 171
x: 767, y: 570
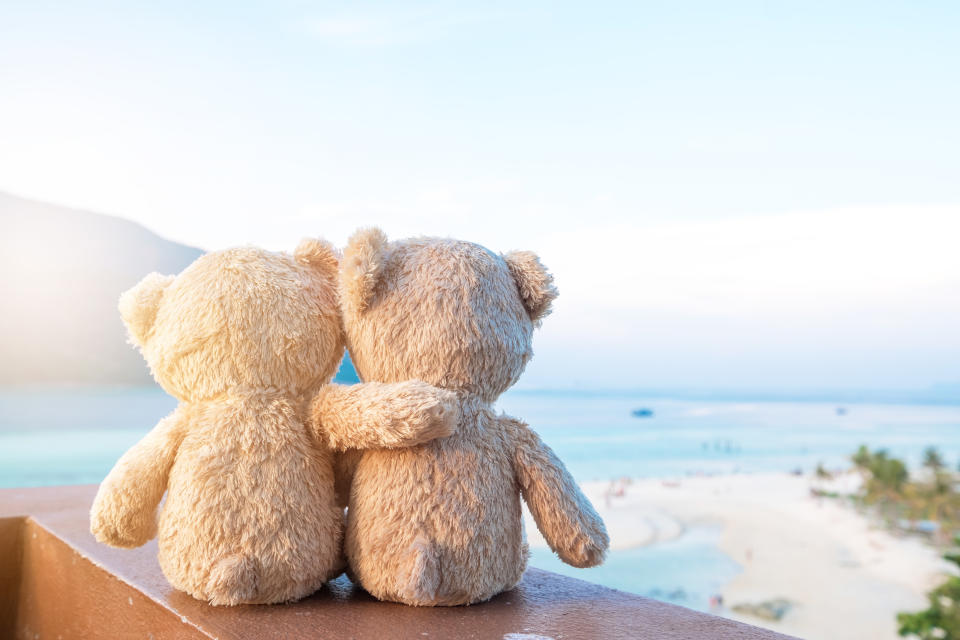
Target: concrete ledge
x: 58, y: 582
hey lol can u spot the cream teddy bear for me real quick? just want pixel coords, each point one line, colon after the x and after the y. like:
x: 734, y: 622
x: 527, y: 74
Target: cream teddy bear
x: 440, y: 523
x: 243, y: 338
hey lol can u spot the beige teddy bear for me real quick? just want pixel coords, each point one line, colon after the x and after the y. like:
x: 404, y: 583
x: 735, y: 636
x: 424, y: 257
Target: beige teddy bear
x: 440, y: 523
x: 244, y: 338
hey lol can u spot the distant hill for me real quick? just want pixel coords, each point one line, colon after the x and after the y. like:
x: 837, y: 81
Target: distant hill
x: 61, y: 272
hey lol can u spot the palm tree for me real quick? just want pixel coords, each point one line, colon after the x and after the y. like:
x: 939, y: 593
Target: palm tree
x: 862, y: 458
x: 942, y: 618
x: 932, y: 459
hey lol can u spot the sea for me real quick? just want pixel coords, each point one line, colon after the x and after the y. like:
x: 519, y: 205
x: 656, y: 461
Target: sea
x: 74, y: 435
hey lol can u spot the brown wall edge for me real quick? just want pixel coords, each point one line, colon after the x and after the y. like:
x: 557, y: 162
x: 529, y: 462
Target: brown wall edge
x: 58, y: 582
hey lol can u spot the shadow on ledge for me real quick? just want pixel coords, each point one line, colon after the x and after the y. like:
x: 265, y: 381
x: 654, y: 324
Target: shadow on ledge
x: 58, y: 582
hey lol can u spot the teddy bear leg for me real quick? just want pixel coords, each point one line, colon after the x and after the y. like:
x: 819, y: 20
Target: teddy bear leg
x: 234, y: 580
x: 418, y: 585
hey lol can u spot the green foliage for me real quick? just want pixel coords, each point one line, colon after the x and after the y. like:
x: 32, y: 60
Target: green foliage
x: 888, y: 490
x: 886, y: 476
x: 887, y: 486
x: 941, y: 620
x: 822, y: 473
x: 861, y: 459
x: 889, y: 474
x: 932, y: 459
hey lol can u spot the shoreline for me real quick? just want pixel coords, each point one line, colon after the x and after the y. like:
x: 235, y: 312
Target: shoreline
x: 812, y: 552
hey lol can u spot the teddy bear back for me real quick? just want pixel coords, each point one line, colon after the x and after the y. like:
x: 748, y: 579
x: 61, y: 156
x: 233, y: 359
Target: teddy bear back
x: 448, y: 312
x: 241, y: 317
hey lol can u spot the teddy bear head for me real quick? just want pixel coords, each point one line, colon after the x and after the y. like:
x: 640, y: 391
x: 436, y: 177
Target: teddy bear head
x: 240, y: 318
x: 446, y: 312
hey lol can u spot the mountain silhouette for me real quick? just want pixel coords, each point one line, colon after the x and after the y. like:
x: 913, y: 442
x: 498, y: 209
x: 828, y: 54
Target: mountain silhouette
x: 62, y: 273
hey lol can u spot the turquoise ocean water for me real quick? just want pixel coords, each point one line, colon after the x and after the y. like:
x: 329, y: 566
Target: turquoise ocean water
x: 69, y: 436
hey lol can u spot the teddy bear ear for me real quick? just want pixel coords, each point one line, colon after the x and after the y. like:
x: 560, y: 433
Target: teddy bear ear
x: 138, y: 306
x: 363, y: 261
x: 318, y: 254
x: 534, y: 283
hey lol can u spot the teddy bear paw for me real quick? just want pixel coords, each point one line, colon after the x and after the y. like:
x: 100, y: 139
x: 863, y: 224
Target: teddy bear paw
x: 126, y: 533
x: 432, y: 412
x: 441, y: 419
x: 588, y: 550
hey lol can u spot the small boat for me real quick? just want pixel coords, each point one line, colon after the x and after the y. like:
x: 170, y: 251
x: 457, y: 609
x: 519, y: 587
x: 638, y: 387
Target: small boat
x: 841, y: 411
x: 642, y: 413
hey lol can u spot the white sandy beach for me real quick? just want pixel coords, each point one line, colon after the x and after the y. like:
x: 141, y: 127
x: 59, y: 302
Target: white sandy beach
x: 845, y: 578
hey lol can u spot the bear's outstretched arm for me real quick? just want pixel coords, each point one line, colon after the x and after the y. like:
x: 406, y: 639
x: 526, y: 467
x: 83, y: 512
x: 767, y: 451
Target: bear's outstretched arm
x: 563, y: 514
x: 124, y: 512
x: 374, y: 415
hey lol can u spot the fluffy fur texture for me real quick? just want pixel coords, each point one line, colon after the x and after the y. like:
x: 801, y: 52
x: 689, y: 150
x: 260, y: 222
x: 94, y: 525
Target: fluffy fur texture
x: 440, y: 523
x: 382, y: 415
x: 244, y: 338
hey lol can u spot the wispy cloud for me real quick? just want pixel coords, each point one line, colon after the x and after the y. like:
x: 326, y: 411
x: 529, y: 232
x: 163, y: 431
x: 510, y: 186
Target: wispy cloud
x: 838, y: 297
x: 385, y: 27
x: 808, y: 262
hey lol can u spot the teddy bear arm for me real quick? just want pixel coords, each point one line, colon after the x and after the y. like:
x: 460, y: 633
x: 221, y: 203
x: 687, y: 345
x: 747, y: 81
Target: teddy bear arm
x: 563, y: 514
x: 124, y: 511
x: 383, y: 415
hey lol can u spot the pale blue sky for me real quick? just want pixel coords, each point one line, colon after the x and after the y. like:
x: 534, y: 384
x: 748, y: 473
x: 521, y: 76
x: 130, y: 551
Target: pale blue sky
x: 744, y: 194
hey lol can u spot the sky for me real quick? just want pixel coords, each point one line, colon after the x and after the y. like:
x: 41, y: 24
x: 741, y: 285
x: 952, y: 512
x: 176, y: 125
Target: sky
x: 730, y: 195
